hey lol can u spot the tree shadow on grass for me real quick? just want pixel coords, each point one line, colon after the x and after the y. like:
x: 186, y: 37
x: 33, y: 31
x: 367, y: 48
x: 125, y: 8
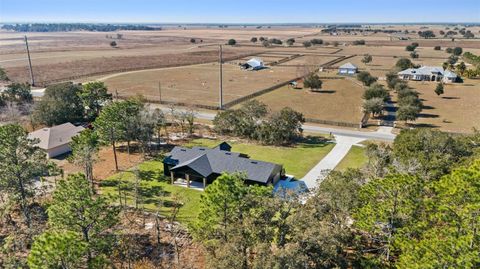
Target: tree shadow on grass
x: 151, y: 175
x: 108, y: 183
x: 324, y: 91
x: 313, y: 142
x: 167, y: 203
x: 426, y: 115
x: 153, y: 191
x: 424, y: 125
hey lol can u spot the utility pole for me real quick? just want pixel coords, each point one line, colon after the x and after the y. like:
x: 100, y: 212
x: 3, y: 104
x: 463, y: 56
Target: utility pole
x: 32, y: 80
x: 159, y: 92
x: 221, y: 79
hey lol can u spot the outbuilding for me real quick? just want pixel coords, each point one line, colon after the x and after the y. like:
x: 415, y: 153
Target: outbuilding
x: 348, y: 69
x: 253, y: 64
x: 56, y: 140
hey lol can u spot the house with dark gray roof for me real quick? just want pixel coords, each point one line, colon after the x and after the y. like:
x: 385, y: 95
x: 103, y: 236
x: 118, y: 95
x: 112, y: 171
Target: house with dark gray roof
x: 206, y: 164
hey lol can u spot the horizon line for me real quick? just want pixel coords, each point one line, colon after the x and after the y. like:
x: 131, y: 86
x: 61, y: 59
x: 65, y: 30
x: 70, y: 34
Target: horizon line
x: 237, y: 23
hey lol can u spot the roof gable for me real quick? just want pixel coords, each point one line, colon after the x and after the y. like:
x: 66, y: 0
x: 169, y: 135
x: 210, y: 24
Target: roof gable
x: 348, y: 66
x: 55, y: 136
x: 207, y: 161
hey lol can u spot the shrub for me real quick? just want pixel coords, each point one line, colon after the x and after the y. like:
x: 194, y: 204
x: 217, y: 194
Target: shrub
x: 316, y: 41
x: 373, y: 106
x: 457, y: 51
x: 290, y: 41
x: 3, y: 75
x: 366, y: 78
x: 410, y: 48
x: 275, y: 41
x: 404, y: 63
x: 307, y: 44
x: 313, y: 82
x: 449, y: 50
x: 439, y: 89
x: 376, y: 91
x: 359, y: 42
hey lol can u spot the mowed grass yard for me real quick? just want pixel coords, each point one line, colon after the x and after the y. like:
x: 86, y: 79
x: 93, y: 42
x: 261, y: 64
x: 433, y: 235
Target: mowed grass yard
x: 340, y: 100
x: 159, y: 195
x: 355, y: 158
x: 297, y: 160
x: 157, y: 192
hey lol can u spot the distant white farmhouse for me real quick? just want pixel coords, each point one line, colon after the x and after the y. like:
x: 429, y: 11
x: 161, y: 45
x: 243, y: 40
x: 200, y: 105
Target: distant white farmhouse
x: 56, y: 140
x: 253, y: 64
x: 428, y: 73
x: 347, y: 69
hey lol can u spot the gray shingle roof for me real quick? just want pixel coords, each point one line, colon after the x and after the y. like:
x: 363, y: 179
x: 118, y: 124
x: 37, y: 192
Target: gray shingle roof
x: 55, y: 136
x: 206, y: 161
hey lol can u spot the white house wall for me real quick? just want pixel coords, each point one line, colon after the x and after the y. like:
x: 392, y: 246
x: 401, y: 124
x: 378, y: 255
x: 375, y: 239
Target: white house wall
x: 54, y: 152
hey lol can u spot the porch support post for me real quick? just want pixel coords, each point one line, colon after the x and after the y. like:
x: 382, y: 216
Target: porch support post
x: 188, y: 180
x: 204, y: 183
x: 172, y: 177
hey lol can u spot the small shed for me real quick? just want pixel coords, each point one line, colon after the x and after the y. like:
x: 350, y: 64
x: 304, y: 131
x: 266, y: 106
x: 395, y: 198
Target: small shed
x: 348, y: 69
x: 56, y: 140
x: 253, y: 64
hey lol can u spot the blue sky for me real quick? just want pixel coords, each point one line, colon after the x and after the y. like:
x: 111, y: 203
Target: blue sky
x: 243, y: 11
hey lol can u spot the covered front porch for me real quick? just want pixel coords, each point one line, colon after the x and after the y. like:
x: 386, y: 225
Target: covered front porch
x: 189, y: 180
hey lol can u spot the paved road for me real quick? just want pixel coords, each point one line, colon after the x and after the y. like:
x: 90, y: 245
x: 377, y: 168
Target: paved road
x: 318, y: 173
x: 382, y: 135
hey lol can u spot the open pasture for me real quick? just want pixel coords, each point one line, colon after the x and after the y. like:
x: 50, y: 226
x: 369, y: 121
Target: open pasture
x: 197, y: 84
x: 340, y: 100
x: 457, y: 110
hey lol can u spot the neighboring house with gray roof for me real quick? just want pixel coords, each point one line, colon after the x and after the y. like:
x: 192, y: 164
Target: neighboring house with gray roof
x: 428, y: 73
x: 206, y: 164
x: 56, y: 140
x: 348, y: 69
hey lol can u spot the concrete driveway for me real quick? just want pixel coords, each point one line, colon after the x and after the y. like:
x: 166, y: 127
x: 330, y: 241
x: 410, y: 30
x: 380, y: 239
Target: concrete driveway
x: 318, y: 173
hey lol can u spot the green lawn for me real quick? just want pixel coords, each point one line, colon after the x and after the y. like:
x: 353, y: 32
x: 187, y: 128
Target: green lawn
x: 355, y: 158
x: 157, y: 192
x: 297, y: 160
